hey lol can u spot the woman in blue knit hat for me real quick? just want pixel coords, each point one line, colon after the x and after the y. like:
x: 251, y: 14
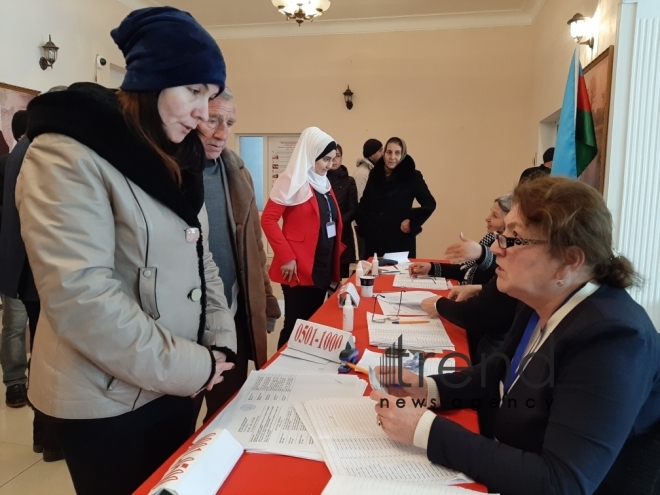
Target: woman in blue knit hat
x: 134, y: 318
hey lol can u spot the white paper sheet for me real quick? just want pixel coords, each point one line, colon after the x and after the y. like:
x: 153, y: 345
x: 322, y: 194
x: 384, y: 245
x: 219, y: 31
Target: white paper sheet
x: 430, y: 336
x: 400, y: 257
x: 431, y: 365
x: 345, y: 485
x: 295, y: 353
x: 262, y: 417
x: 405, y: 280
x: 354, y: 445
x: 410, y: 302
x: 293, y: 365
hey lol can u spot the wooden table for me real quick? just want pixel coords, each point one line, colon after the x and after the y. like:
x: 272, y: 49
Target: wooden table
x: 275, y: 474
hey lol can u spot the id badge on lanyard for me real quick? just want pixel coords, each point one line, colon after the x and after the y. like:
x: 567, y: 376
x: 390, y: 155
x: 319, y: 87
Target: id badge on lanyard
x: 330, y: 227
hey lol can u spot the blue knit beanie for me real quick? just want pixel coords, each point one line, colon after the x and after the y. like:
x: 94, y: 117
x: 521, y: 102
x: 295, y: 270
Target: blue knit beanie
x: 165, y: 48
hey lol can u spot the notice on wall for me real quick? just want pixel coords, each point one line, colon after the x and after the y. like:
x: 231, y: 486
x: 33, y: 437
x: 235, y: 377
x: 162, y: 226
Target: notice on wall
x: 280, y: 149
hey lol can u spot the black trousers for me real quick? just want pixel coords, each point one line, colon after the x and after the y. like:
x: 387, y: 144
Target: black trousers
x: 233, y: 379
x: 114, y: 456
x: 300, y: 302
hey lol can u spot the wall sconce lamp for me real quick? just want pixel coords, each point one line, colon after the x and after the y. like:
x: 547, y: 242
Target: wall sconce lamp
x: 581, y: 30
x: 50, y: 54
x: 348, y: 97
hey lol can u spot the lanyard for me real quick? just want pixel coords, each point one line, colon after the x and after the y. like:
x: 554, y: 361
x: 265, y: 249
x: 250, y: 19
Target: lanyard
x: 329, y: 207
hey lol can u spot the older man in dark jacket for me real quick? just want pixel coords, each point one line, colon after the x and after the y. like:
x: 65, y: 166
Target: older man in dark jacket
x: 237, y: 248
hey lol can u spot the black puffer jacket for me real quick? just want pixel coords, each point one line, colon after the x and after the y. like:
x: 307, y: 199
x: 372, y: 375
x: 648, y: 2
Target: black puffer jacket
x: 387, y: 201
x: 346, y: 193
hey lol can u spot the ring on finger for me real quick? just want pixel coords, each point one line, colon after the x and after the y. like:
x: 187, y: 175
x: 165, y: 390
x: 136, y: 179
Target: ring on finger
x: 380, y: 423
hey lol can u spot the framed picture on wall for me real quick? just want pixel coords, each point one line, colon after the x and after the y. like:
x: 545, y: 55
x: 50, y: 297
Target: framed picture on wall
x: 12, y: 99
x: 598, y: 78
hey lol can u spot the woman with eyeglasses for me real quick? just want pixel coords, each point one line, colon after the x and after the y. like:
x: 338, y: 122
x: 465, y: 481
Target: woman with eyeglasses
x: 386, y: 218
x: 571, y: 402
x: 307, y: 247
x: 473, y: 262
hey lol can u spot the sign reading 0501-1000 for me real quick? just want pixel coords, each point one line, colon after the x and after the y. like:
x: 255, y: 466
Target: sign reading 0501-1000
x: 306, y: 334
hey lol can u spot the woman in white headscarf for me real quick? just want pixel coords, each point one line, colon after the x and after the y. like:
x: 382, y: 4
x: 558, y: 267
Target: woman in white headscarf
x: 307, y: 247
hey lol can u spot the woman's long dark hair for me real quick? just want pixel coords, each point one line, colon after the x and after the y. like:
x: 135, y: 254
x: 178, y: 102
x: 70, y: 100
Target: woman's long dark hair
x: 140, y: 111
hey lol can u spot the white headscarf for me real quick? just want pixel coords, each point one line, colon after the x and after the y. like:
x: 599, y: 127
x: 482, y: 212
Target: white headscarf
x: 292, y: 187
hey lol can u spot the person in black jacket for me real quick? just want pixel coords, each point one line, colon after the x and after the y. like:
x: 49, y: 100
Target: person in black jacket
x: 386, y: 218
x: 472, y: 262
x: 576, y: 385
x: 345, y: 191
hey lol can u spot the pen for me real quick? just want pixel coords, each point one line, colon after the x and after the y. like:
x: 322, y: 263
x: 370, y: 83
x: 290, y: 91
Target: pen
x: 410, y: 322
x: 357, y: 368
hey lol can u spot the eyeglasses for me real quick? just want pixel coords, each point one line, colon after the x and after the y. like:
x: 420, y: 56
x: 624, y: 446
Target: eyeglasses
x: 384, y: 318
x: 506, y: 242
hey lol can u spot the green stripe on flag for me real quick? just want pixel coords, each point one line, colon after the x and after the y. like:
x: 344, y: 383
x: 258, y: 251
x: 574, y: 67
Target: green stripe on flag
x: 585, y: 140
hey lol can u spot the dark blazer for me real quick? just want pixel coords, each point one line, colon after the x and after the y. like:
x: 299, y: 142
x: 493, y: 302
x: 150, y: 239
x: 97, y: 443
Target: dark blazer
x: 560, y: 439
x: 388, y: 201
x: 487, y: 316
x: 345, y: 191
x: 15, y: 274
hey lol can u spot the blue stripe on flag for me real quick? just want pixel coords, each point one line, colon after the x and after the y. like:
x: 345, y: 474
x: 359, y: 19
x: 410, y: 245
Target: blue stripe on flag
x: 564, y: 162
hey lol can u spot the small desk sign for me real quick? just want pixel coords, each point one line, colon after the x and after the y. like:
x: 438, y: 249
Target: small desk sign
x: 319, y: 340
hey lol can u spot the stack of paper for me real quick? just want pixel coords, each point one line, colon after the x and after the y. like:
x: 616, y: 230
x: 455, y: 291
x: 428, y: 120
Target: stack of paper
x: 431, y: 365
x: 428, y: 336
x: 262, y: 417
x: 343, y: 485
x: 353, y: 444
x: 410, y: 302
x: 421, y: 282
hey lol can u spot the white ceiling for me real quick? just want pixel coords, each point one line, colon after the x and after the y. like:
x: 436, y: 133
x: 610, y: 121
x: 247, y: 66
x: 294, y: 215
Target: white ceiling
x: 259, y: 18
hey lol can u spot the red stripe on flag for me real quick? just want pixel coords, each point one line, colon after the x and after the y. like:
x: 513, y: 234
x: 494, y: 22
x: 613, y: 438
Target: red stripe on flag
x: 583, y: 102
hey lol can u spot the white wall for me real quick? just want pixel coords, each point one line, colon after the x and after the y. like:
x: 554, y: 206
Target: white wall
x: 81, y: 28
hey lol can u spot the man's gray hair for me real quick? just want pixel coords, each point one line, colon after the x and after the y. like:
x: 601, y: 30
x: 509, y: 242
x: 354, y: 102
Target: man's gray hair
x: 226, y: 94
x: 54, y: 89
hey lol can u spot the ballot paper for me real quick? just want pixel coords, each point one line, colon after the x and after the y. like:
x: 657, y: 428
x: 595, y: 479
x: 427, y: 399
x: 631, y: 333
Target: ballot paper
x: 421, y: 282
x: 354, y: 445
x: 429, y: 336
x: 293, y: 365
x: 262, y: 417
x: 400, y: 257
x: 431, y: 365
x: 203, y: 467
x: 410, y: 302
x: 343, y: 485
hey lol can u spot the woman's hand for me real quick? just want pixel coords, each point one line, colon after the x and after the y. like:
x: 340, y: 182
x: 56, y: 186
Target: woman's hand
x: 405, y: 226
x: 465, y: 250
x: 289, y: 270
x: 398, y: 419
x: 407, y: 384
x: 428, y: 305
x: 417, y: 269
x: 463, y: 292
x: 221, y: 365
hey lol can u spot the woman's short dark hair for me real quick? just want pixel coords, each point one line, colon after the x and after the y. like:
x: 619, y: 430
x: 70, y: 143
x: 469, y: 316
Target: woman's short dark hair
x: 340, y: 150
x: 569, y: 214
x: 140, y: 111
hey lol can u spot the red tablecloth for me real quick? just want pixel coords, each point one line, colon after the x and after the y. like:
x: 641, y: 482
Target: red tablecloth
x: 275, y: 474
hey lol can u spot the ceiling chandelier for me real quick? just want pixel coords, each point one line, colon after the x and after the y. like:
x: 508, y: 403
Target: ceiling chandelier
x: 301, y: 10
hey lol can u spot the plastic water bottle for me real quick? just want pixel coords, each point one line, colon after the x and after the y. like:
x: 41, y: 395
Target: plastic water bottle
x: 374, y: 265
x: 359, y: 272
x: 348, y: 314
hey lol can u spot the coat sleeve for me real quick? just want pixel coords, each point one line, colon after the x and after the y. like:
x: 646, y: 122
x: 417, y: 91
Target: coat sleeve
x: 269, y: 218
x: 364, y: 210
x: 220, y: 325
x: 68, y: 228
x: 427, y: 203
x: 596, y: 399
x: 272, y: 307
x: 348, y: 215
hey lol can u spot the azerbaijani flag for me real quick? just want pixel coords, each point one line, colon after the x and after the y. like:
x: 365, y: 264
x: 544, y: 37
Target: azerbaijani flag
x: 576, y: 137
